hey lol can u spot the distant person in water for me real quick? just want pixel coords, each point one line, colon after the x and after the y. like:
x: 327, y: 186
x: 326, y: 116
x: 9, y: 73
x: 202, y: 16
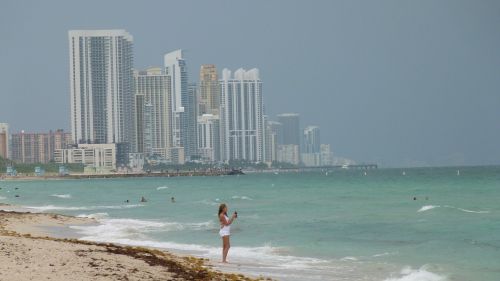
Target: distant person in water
x: 414, y: 198
x: 172, y: 199
x: 126, y: 201
x: 225, y: 229
x: 143, y: 199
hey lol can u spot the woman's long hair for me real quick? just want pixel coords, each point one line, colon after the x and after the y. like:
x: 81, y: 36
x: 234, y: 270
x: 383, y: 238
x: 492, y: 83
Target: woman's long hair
x: 221, y: 208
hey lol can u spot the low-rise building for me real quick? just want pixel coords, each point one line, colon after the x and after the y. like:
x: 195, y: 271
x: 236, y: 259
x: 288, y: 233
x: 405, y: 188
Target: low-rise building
x: 97, y: 158
x: 311, y: 159
x: 136, y: 162
x: 177, y: 155
x: 288, y: 153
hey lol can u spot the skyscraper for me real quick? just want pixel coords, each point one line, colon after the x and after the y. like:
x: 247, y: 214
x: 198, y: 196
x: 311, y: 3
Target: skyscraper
x: 311, y: 140
x: 241, y: 113
x: 4, y: 140
x: 326, y: 155
x: 311, y: 155
x: 101, y: 84
x: 209, y: 137
x: 183, y: 119
x: 291, y: 125
x: 191, y: 143
x: 273, y: 134
x: 209, y: 95
x: 153, y: 101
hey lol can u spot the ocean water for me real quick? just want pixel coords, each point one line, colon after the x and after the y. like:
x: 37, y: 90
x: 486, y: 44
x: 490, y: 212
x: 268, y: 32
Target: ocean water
x: 335, y: 225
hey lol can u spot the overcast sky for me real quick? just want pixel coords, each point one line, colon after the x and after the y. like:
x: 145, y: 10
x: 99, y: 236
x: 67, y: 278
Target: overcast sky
x: 400, y: 83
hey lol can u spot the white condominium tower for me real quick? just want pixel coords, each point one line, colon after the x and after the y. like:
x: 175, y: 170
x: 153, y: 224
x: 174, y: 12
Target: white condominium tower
x: 311, y: 140
x: 183, y: 119
x: 152, y: 112
x: 101, y: 81
x: 241, y: 114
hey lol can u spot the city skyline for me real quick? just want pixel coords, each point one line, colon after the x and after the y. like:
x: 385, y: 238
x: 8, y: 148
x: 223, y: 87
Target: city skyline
x: 436, y: 106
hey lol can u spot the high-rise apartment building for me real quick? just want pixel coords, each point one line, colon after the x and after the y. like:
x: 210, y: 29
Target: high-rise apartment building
x: 241, y: 113
x: 191, y: 143
x: 4, y: 140
x: 152, y: 112
x: 311, y: 140
x: 183, y: 105
x: 38, y: 147
x: 326, y: 155
x: 209, y: 92
x: 291, y: 128
x: 209, y: 137
x: 102, y: 90
x: 272, y: 139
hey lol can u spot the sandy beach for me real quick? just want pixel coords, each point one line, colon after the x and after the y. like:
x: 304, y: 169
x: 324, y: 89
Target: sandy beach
x: 30, y: 251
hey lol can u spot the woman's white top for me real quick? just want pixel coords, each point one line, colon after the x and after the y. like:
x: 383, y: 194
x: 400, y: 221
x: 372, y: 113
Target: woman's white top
x: 225, y: 230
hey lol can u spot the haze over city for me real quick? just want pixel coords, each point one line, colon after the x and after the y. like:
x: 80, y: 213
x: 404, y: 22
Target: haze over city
x: 393, y: 83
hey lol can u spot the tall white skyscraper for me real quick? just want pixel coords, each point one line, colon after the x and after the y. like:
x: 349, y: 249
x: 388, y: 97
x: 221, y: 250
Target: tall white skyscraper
x: 101, y: 82
x: 241, y: 113
x: 311, y: 140
x: 311, y: 155
x: 273, y: 133
x: 208, y: 137
x: 183, y: 119
x: 153, y: 102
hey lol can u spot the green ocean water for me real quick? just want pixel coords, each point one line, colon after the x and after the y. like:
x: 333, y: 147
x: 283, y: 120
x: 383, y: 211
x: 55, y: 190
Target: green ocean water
x: 328, y: 225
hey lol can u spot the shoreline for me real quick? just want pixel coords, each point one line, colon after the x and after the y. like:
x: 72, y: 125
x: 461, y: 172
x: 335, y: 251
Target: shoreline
x: 118, y: 175
x: 27, y: 245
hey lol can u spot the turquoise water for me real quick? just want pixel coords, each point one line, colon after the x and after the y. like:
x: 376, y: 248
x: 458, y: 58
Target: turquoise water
x: 339, y: 225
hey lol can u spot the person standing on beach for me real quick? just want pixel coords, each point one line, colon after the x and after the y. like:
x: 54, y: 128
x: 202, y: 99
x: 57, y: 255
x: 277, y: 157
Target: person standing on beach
x: 225, y: 229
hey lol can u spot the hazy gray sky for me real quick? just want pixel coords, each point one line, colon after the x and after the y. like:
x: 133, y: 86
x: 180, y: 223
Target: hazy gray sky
x: 394, y: 82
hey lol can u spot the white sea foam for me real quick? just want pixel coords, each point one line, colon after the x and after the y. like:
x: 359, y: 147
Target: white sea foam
x: 110, y: 229
x: 94, y: 216
x: 135, y: 232
x: 468, y: 211
x: 421, y: 274
x: 209, y: 202
x: 2, y: 198
x: 65, y: 196
x: 427, y: 207
x: 241, y: 197
x: 161, y: 187
x: 83, y: 208
x: 349, y: 259
x: 430, y: 207
x: 382, y: 255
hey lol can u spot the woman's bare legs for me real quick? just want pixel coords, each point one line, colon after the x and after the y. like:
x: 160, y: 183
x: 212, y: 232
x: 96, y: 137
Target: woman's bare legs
x: 225, y: 248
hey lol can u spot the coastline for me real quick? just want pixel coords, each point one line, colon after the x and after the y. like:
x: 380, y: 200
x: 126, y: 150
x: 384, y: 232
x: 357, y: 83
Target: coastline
x: 31, y: 177
x: 28, y: 245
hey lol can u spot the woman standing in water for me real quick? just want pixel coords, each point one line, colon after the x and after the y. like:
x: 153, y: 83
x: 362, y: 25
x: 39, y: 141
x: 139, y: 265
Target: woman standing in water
x: 225, y: 229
